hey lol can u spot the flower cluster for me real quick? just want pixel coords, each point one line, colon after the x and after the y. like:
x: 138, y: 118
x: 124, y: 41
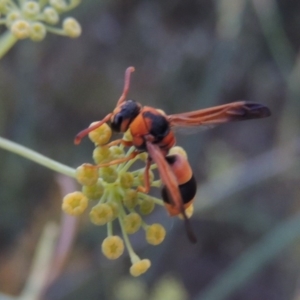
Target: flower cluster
x: 33, y: 18
x: 113, y: 192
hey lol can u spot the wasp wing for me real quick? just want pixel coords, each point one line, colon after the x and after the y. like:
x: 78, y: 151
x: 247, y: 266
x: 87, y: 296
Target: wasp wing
x: 235, y: 111
x: 169, y: 180
x: 166, y: 174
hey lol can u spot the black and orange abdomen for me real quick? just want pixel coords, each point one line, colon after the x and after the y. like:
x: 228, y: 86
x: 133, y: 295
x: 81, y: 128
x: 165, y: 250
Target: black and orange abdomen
x: 186, y: 183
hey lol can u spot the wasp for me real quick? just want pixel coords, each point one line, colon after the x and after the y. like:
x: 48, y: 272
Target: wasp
x: 152, y: 132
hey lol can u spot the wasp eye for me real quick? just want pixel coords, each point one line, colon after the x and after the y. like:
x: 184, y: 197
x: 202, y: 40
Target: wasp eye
x: 117, y: 122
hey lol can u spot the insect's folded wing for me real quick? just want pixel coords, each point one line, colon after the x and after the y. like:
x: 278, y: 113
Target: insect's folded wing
x: 236, y: 111
x: 166, y: 174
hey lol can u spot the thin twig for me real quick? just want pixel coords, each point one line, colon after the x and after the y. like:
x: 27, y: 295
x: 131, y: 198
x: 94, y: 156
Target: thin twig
x: 67, y: 235
x: 41, y: 263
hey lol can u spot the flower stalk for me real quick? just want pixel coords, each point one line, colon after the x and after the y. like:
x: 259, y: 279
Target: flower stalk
x: 36, y: 157
x: 7, y: 41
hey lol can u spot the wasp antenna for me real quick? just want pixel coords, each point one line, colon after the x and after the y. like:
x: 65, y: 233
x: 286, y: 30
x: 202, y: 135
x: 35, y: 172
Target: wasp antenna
x: 86, y: 131
x: 123, y: 97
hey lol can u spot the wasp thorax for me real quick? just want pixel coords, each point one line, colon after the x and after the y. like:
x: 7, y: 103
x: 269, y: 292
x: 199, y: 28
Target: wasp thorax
x: 124, y: 114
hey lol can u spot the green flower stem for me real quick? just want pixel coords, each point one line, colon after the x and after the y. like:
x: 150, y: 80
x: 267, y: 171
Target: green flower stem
x: 156, y: 200
x: 133, y: 257
x: 109, y: 229
x: 104, y: 197
x: 55, y: 30
x: 36, y: 157
x: 156, y: 183
x: 126, y: 165
x: 7, y: 41
x: 144, y: 225
x: 135, y: 172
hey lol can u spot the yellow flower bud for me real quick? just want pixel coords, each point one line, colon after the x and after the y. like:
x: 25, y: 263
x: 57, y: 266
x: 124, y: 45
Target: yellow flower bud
x: 59, y: 5
x: 87, y: 174
x: 50, y: 15
x: 129, y: 288
x: 155, y: 234
x: 140, y: 267
x: 115, y: 208
x: 130, y: 199
x: 101, y: 214
x: 178, y: 150
x: 4, y: 6
x: 74, y: 203
x: 12, y: 17
x: 71, y: 27
x: 113, y: 247
x: 75, y: 2
x: 101, y: 135
x: 20, y: 29
x: 147, y: 206
x: 126, y: 180
x: 101, y: 155
x: 169, y: 287
x: 94, y: 191
x: 142, y: 174
x: 37, y: 31
x: 31, y: 9
x: 132, y: 223
x: 143, y: 156
x: 116, y: 152
x: 108, y: 174
x: 127, y: 136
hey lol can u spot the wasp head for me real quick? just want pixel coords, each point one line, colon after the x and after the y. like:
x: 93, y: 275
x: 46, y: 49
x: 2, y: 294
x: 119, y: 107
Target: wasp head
x: 124, y: 114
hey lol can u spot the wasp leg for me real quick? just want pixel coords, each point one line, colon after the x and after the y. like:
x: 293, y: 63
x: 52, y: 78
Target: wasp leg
x: 120, y: 160
x: 118, y: 142
x: 86, y: 131
x: 146, y: 188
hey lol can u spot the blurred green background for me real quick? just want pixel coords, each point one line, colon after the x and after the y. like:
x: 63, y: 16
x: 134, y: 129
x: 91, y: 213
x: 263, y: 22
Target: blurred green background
x: 188, y: 54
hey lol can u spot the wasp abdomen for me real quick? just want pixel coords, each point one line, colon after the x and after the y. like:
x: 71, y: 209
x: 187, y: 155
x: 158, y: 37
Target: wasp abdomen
x: 187, y: 190
x: 184, y: 175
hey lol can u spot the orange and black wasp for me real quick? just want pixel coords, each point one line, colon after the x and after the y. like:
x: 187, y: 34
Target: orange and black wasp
x: 152, y: 132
